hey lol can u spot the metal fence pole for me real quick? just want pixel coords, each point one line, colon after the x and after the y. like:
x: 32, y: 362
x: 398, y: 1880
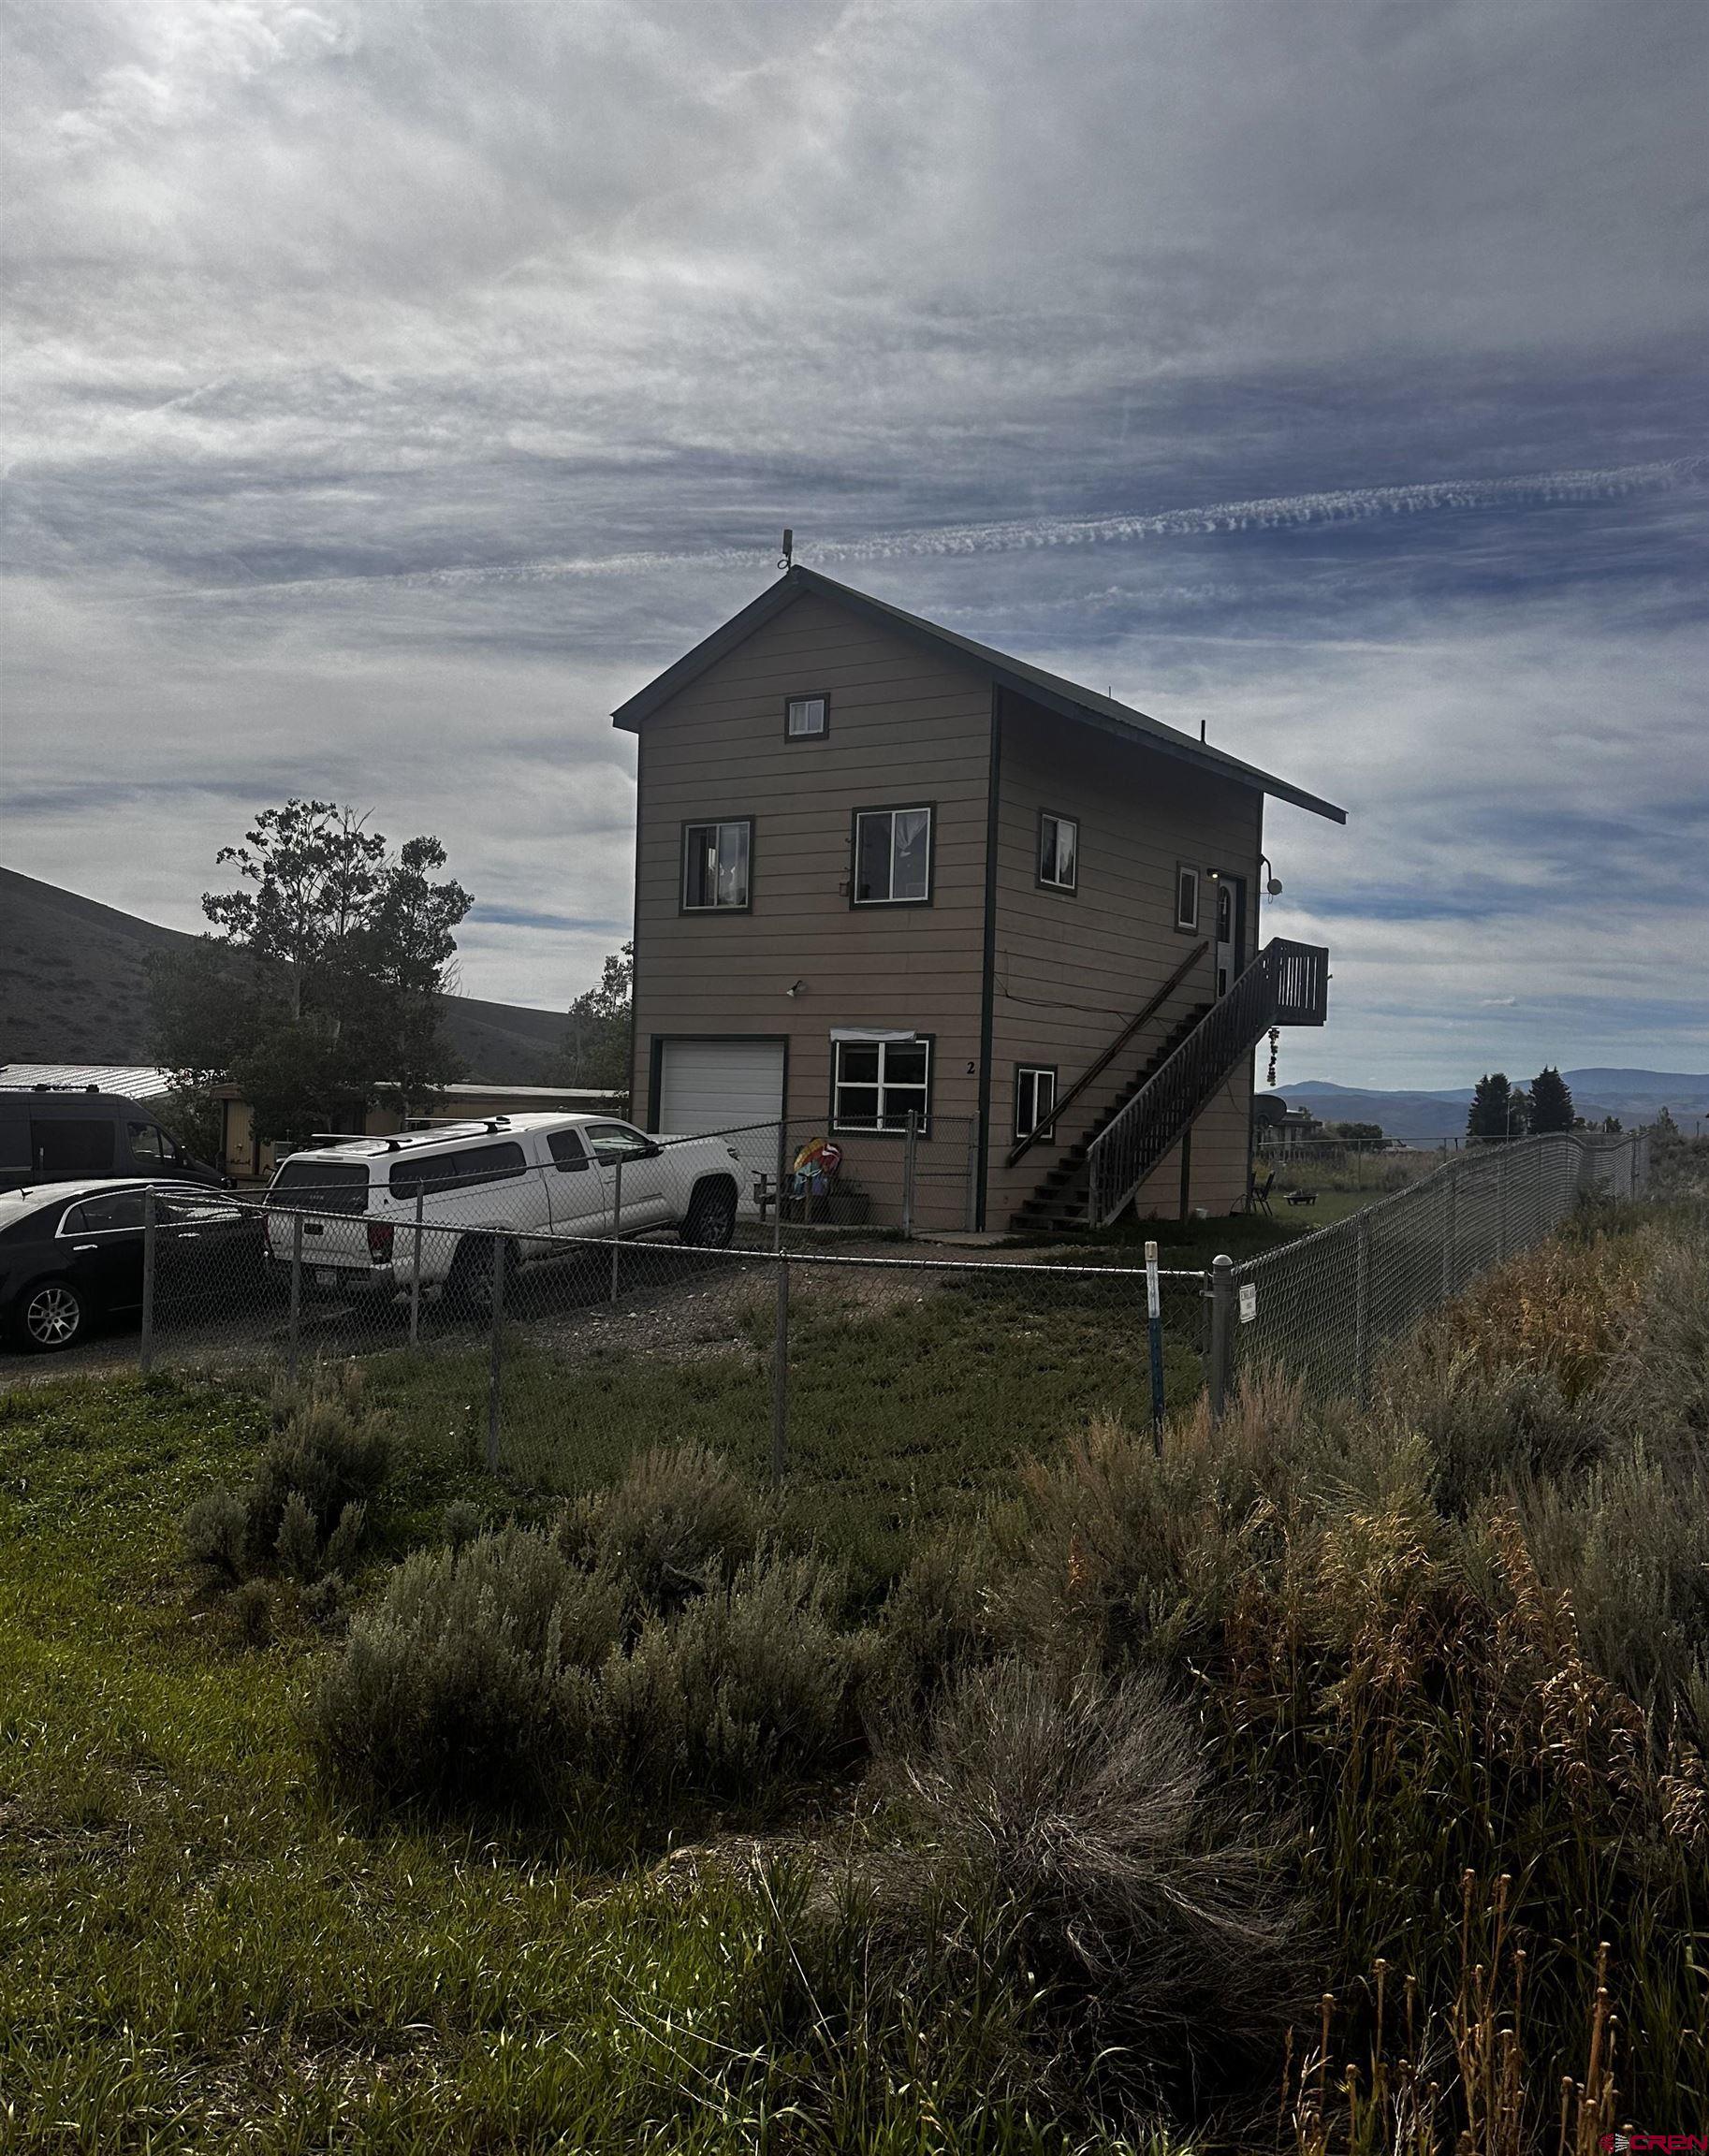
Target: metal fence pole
x: 777, y: 1195
x: 1154, y: 1340
x: 779, y: 1377
x: 1450, y: 1206
x: 909, y: 1141
x: 145, y: 1353
x: 1221, y: 1332
x: 414, y: 1286
x: 617, y: 1221
x: 1362, y: 1311
x: 494, y: 1370
x: 1501, y: 1205
x: 295, y: 1330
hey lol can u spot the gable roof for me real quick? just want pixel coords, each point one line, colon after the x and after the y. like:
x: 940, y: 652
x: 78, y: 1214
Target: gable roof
x: 1050, y: 689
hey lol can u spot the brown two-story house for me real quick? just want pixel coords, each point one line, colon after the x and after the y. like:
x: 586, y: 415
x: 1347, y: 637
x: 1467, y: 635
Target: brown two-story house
x: 884, y: 872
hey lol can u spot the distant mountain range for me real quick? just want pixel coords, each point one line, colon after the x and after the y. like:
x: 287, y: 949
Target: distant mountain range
x: 74, y: 989
x: 1426, y: 1118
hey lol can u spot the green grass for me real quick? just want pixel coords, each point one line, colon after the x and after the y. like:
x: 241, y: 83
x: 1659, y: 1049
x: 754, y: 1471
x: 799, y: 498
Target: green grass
x: 894, y: 1418
x: 201, y: 1954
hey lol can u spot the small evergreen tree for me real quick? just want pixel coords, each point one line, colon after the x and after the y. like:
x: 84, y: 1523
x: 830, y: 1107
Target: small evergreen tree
x: 1551, y: 1101
x: 1497, y: 1111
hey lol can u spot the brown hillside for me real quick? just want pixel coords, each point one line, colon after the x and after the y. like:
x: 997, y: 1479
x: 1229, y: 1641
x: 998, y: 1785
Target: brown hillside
x: 74, y: 989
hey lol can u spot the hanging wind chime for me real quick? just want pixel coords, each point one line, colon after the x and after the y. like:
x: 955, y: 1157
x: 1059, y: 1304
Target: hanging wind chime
x: 1275, y: 1045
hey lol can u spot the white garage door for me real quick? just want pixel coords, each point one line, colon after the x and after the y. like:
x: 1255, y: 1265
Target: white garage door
x: 720, y: 1085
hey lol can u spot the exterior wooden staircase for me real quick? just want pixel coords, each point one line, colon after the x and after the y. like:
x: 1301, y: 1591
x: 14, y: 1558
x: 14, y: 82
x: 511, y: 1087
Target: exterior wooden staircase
x: 1088, y: 1185
x: 1059, y: 1202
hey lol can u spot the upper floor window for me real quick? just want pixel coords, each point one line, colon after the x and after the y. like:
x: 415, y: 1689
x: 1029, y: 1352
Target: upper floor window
x: 1058, y: 851
x: 1186, y: 897
x: 715, y: 866
x: 892, y: 856
x: 805, y: 716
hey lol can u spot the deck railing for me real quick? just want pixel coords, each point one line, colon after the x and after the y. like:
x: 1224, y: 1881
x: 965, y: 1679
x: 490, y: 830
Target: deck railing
x: 1286, y: 984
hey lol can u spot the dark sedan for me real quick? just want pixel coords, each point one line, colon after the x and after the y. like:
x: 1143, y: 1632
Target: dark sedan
x: 71, y: 1254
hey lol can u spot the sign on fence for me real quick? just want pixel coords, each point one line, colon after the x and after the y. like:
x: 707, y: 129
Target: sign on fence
x: 1248, y: 1301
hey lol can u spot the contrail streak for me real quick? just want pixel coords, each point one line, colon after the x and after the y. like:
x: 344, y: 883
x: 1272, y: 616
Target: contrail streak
x: 1271, y: 513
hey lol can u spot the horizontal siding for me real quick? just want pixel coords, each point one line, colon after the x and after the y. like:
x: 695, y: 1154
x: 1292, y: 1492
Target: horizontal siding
x: 1072, y: 970
x: 904, y: 728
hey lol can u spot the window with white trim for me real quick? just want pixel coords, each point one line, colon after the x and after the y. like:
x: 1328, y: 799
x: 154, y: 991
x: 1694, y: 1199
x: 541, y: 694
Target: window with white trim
x: 805, y: 716
x: 892, y: 856
x: 1058, y: 852
x: 1035, y: 1096
x: 715, y: 866
x: 875, y: 1083
x: 1186, y: 898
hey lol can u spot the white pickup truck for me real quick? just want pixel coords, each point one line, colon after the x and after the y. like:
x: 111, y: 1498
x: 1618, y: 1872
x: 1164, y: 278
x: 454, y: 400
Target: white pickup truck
x: 535, y: 1179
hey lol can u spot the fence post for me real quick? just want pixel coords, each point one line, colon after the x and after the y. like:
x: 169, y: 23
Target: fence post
x: 495, y: 1366
x: 616, y: 1222
x: 294, y: 1328
x: 777, y: 1196
x: 1221, y: 1332
x: 1362, y: 1311
x: 971, y: 1213
x: 1154, y: 1333
x: 1450, y: 1206
x: 145, y: 1353
x: 1501, y: 1206
x: 780, y: 1376
x: 909, y: 1141
x: 414, y: 1286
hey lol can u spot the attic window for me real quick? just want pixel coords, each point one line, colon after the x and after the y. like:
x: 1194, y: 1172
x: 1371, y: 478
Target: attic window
x: 1186, y: 898
x: 805, y: 716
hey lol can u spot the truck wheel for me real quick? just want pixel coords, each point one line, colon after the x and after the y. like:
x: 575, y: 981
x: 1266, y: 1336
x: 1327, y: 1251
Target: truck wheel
x: 468, y: 1288
x: 710, y: 1221
x: 49, y: 1317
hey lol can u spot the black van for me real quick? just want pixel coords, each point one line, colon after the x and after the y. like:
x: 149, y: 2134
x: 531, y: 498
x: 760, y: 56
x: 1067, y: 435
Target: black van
x: 66, y: 1134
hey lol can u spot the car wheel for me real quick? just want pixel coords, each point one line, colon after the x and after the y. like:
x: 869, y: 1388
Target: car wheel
x: 49, y: 1317
x: 712, y: 1218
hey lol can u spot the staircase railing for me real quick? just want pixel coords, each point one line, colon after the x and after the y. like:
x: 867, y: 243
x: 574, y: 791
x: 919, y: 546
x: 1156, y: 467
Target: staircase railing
x: 1042, y: 1128
x: 1286, y: 984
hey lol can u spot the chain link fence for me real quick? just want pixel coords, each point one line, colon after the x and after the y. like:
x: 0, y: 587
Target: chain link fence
x: 805, y: 1178
x: 1327, y: 1306
x: 550, y: 1360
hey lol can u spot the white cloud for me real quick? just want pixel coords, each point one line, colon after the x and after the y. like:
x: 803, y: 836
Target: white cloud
x: 390, y: 388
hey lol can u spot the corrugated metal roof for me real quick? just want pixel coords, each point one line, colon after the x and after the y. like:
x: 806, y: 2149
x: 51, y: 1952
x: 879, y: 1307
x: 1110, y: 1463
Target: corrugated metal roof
x: 1051, y: 690
x: 135, y: 1082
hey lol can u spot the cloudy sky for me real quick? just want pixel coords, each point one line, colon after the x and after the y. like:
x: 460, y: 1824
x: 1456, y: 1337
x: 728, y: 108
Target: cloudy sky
x: 391, y: 389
